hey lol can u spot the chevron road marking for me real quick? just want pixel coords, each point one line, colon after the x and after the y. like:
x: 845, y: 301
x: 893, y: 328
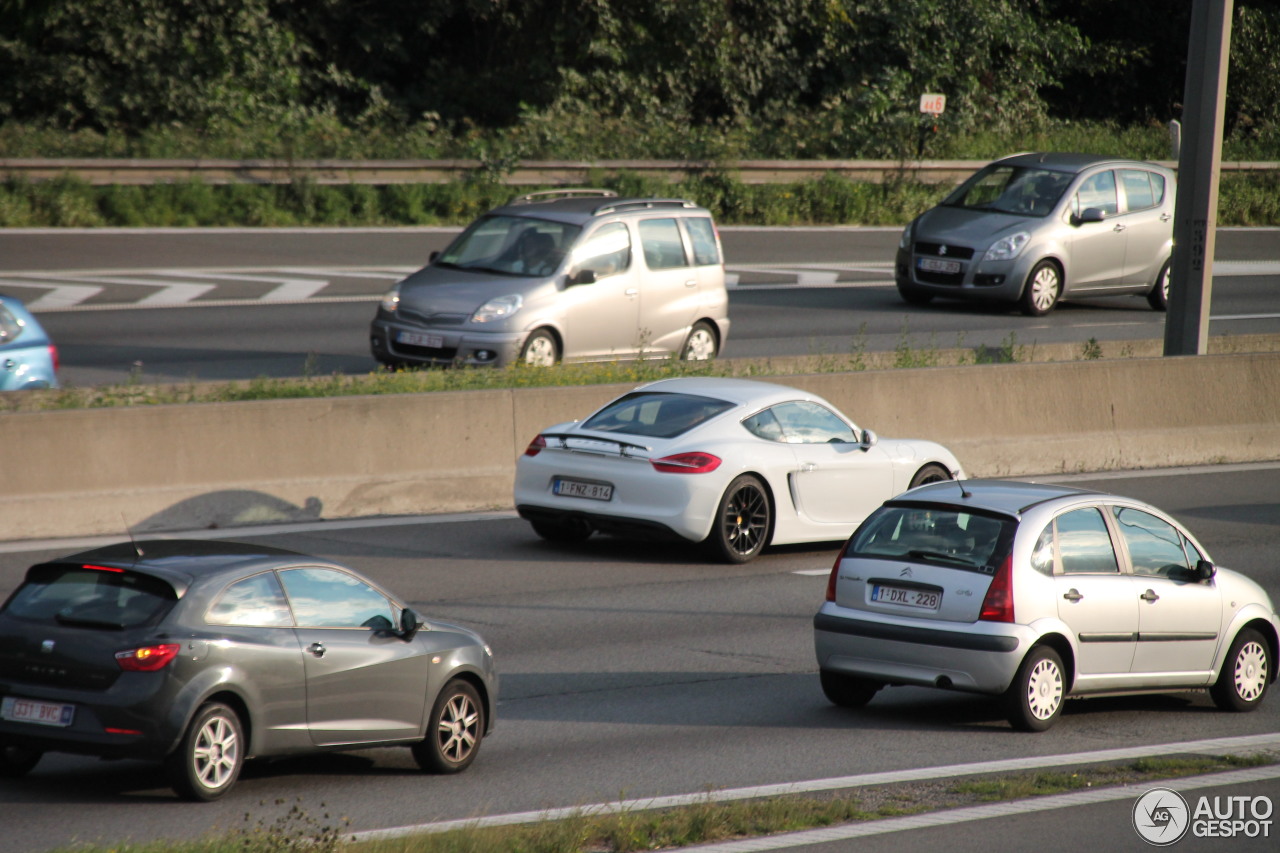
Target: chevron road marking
x: 58, y: 296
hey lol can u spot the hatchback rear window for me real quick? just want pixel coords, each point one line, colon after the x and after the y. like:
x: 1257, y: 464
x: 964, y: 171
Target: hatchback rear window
x: 90, y: 596
x: 929, y: 533
x: 656, y: 414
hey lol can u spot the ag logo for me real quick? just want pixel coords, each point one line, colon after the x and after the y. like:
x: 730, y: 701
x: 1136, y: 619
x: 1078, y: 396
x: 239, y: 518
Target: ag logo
x: 1161, y: 817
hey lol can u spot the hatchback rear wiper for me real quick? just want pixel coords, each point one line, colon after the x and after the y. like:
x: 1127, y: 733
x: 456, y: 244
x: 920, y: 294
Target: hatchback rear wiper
x: 939, y: 555
x: 87, y: 623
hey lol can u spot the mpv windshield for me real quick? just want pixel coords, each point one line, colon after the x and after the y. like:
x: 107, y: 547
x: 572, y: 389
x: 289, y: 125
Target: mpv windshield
x: 929, y: 533
x: 656, y: 414
x: 1011, y: 189
x: 512, y: 245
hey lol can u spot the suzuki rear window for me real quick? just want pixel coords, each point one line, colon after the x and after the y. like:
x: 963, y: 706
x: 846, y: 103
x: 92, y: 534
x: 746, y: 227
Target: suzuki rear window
x: 656, y: 414
x: 934, y: 534
x: 92, y: 597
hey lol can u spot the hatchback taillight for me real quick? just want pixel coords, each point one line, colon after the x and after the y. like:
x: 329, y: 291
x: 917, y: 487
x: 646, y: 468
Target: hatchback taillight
x: 686, y: 463
x: 53, y: 356
x: 535, y: 446
x: 835, y: 571
x: 147, y: 658
x: 997, y: 606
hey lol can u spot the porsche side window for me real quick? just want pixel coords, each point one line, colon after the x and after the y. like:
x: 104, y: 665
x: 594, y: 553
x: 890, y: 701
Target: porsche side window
x: 764, y: 425
x: 808, y: 423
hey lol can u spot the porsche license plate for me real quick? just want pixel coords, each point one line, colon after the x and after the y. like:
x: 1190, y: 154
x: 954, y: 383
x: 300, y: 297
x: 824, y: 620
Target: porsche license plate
x: 582, y: 489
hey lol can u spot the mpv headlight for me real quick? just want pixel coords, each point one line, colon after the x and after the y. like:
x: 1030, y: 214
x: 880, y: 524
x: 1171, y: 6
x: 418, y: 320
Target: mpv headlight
x: 498, y: 309
x: 1008, y: 248
x: 391, y: 300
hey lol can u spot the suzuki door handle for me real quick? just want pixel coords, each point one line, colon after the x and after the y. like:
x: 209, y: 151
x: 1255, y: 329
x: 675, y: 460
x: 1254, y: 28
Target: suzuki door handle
x: 1072, y: 594
x: 317, y: 649
x: 1149, y: 595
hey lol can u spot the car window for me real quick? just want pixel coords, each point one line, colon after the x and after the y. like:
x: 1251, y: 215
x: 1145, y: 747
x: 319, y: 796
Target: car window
x: 663, y: 248
x: 765, y: 425
x: 1011, y: 189
x: 257, y: 601
x: 804, y: 422
x: 515, y: 245
x: 325, y: 598
x: 1155, y: 545
x: 1097, y: 191
x: 1084, y: 544
x: 934, y: 534
x: 10, y: 326
x: 1138, y: 189
x: 606, y: 252
x: 91, y: 597
x: 702, y: 236
x: 655, y: 414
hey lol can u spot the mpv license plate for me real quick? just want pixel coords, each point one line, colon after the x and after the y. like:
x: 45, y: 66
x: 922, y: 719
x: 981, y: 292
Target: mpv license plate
x: 414, y: 339
x: 31, y: 711
x: 582, y: 489
x: 906, y: 596
x: 935, y: 265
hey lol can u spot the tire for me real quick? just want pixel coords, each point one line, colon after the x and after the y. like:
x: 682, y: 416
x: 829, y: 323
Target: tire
x: 540, y: 349
x: 17, y: 761
x: 574, y: 530
x: 1245, y: 673
x: 209, y: 759
x: 1042, y: 290
x: 454, y: 730
x: 701, y: 345
x: 848, y: 691
x: 1034, y: 699
x: 931, y: 473
x: 1158, y: 296
x: 913, y: 295
x: 743, y: 521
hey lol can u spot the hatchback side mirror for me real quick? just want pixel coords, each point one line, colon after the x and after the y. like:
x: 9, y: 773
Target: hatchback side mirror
x: 431, y: 258
x: 1205, y: 570
x: 409, y: 624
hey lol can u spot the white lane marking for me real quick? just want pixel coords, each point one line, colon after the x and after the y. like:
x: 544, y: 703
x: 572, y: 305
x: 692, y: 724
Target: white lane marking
x: 1234, y: 268
x: 169, y: 292
x: 812, y: 572
x: 1210, y: 746
x: 949, y: 817
x: 58, y: 295
x: 284, y: 290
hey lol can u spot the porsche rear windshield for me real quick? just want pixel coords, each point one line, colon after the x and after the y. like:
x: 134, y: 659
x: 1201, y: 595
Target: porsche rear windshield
x: 940, y: 535
x: 656, y: 414
x: 90, y: 597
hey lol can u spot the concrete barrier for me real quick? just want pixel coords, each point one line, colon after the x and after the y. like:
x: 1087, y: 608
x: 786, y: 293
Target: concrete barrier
x: 90, y: 472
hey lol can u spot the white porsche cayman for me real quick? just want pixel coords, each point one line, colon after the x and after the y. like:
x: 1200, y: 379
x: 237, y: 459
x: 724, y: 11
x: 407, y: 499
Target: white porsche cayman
x: 733, y: 463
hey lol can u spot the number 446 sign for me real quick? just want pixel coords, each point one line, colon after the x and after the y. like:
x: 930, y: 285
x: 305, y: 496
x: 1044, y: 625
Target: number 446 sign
x: 933, y: 103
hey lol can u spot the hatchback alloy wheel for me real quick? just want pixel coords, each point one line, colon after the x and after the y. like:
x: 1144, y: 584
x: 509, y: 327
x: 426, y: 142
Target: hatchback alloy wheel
x: 208, y: 761
x: 454, y: 731
x: 1245, y: 674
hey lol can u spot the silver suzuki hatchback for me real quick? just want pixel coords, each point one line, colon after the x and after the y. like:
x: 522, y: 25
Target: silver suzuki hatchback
x: 1032, y: 229
x: 1038, y: 593
x: 564, y: 275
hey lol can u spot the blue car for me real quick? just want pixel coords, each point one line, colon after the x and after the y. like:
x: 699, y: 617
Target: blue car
x: 28, y: 359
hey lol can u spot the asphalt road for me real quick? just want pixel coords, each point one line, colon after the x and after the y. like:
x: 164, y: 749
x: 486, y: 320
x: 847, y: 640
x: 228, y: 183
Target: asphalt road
x: 177, y: 305
x: 635, y: 671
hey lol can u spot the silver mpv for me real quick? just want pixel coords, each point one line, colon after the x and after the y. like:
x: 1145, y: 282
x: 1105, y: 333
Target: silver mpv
x: 565, y: 275
x: 1036, y: 228
x: 1038, y: 593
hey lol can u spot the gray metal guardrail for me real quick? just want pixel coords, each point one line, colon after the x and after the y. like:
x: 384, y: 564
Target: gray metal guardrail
x: 107, y: 172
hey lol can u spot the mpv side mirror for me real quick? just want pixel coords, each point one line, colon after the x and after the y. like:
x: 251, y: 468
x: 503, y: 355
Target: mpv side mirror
x: 409, y: 624
x: 582, y: 277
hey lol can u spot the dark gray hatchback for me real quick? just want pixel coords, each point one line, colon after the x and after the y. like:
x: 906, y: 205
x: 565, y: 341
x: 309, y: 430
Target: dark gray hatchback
x: 203, y: 654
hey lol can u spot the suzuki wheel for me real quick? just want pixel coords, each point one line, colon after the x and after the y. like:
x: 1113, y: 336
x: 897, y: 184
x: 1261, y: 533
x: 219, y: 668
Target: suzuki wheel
x: 1158, y: 296
x: 1042, y: 291
x: 1034, y: 699
x: 454, y: 731
x: 1245, y: 674
x: 208, y: 761
x: 741, y: 526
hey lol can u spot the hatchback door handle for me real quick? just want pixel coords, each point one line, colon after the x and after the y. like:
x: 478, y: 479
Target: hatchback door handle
x: 631, y: 291
x: 1119, y: 228
x: 1149, y: 595
x: 691, y: 283
x: 1072, y: 594
x: 317, y: 649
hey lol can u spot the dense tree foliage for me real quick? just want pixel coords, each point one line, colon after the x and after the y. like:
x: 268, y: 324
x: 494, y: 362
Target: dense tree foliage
x: 812, y: 77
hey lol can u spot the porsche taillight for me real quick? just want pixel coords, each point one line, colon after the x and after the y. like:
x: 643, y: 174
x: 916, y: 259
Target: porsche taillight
x: 686, y: 463
x: 535, y: 446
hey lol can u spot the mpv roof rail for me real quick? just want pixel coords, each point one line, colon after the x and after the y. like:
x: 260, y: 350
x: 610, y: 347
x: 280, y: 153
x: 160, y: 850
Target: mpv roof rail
x: 548, y: 195
x: 641, y: 204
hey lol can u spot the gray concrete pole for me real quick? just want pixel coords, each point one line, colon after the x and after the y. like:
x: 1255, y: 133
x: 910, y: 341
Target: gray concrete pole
x: 1186, y: 328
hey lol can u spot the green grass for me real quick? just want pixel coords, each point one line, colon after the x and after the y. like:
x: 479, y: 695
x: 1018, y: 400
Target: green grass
x: 288, y: 827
